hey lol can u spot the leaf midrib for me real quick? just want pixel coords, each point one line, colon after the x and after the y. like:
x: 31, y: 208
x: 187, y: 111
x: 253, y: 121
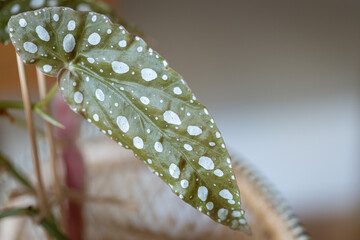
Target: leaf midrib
x: 176, y: 147
x: 92, y: 74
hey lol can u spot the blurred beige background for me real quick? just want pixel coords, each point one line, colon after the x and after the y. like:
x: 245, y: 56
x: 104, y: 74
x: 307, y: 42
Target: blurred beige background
x: 282, y: 80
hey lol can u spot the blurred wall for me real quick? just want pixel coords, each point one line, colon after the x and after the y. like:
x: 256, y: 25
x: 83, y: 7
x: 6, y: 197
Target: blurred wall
x: 282, y: 80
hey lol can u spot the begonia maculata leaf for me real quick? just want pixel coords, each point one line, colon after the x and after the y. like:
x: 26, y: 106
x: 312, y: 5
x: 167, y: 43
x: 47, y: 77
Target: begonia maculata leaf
x: 122, y: 86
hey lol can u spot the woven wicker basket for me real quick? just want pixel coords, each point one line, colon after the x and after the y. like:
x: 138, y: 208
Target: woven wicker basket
x: 129, y: 202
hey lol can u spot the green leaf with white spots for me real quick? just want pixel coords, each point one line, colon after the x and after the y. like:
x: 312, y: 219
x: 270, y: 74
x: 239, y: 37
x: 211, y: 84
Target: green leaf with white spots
x: 115, y: 81
x: 9, y: 8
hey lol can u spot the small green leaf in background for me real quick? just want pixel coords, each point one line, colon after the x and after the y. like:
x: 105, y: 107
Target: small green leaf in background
x: 48, y: 225
x: 13, y: 212
x: 8, y: 167
x: 9, y: 8
x: 118, y: 83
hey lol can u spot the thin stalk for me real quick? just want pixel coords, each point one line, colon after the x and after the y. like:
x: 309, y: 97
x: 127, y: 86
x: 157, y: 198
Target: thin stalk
x: 48, y: 118
x: 29, y: 120
x: 47, y: 223
x: 11, y: 104
x: 20, y: 105
x: 51, y: 140
x: 46, y: 96
x: 37, y: 107
x: 14, y: 172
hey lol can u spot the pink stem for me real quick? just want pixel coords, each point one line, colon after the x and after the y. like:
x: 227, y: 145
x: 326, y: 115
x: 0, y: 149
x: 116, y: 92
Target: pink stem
x: 73, y: 165
x: 74, y: 178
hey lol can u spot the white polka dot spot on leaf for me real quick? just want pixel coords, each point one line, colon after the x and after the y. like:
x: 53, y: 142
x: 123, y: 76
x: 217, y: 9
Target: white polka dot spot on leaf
x: 171, y: 118
x: 122, y: 43
x: 218, y: 173
x: 123, y: 123
x: 22, y: 22
x: 210, y: 205
x: 99, y: 94
x: 71, y: 25
x: 138, y: 142
x: 226, y: 194
x: 120, y: 67
x: 188, y: 147
x: 144, y: 100
x: 94, y: 39
x: 69, y: 43
x: 90, y: 60
x: 194, y: 130
x: 206, y: 163
x: 174, y: 171
x: 158, y: 147
x: 47, y: 68
x: 30, y: 47
x: 177, y: 90
x: 217, y: 134
x: 202, y: 193
x: 96, y: 117
x: 148, y: 74
x: 236, y: 214
x: 222, y: 213
x: 78, y: 97
x: 184, y: 183
x: 56, y: 17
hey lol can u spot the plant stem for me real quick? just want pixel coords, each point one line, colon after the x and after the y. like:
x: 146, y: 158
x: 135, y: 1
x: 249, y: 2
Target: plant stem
x: 13, y: 171
x: 47, y: 224
x: 11, y: 104
x: 29, y: 119
x: 51, y: 140
x: 37, y: 107
x: 48, y: 118
x: 46, y: 97
x: 20, y: 105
